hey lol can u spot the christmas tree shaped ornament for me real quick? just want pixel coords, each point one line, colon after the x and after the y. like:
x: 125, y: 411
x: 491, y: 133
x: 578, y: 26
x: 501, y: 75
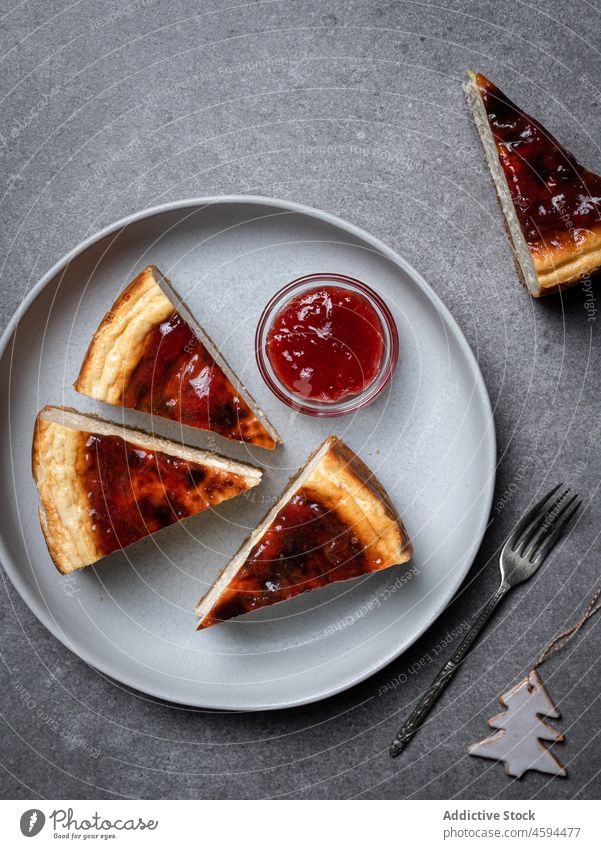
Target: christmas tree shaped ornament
x: 519, y: 741
x: 522, y: 731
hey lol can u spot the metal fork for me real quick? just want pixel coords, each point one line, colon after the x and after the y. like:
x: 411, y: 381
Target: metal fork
x: 525, y: 551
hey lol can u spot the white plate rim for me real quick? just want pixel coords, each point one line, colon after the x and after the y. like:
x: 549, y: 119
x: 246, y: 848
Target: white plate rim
x: 37, y: 608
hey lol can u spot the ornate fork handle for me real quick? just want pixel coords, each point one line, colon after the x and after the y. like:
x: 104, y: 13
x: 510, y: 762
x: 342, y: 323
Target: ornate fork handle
x: 431, y: 695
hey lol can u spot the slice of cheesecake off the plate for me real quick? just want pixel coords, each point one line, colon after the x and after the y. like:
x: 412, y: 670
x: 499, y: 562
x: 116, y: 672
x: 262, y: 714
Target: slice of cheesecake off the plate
x: 332, y: 523
x: 551, y: 203
x: 149, y: 353
x: 103, y: 486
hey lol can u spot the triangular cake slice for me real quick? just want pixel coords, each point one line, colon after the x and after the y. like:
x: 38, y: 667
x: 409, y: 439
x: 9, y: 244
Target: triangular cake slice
x: 333, y: 522
x: 103, y: 486
x: 150, y: 354
x: 551, y: 203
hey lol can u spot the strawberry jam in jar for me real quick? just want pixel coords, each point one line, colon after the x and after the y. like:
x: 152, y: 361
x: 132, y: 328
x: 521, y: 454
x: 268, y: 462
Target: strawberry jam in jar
x: 327, y: 345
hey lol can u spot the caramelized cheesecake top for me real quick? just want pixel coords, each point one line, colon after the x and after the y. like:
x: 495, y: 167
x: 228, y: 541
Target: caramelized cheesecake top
x: 133, y: 492
x: 334, y: 522
x: 557, y: 200
x: 307, y: 546
x: 177, y: 378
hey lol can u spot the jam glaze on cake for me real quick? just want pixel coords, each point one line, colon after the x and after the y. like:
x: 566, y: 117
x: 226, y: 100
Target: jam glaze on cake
x: 557, y: 201
x: 150, y: 354
x: 333, y: 522
x: 177, y: 378
x: 133, y: 492
x: 103, y: 486
x: 306, y: 547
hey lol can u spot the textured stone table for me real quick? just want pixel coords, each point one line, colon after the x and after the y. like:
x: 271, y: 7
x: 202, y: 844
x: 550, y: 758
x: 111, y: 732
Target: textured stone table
x: 355, y: 107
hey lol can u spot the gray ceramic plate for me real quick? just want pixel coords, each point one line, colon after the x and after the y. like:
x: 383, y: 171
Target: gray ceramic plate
x: 430, y: 439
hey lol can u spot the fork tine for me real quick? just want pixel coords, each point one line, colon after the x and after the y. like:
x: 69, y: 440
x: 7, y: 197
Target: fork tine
x: 539, y: 529
x: 550, y: 520
x: 556, y: 532
x: 526, y: 520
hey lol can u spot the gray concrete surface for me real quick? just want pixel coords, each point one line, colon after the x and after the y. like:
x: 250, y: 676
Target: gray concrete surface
x: 355, y: 107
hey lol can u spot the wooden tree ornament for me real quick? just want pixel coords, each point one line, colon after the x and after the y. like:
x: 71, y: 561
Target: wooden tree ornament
x: 520, y: 740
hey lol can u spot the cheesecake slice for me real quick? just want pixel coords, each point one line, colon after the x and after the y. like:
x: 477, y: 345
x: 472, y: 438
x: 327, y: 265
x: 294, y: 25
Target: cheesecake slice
x: 551, y: 203
x: 103, y: 486
x: 333, y: 522
x: 149, y: 353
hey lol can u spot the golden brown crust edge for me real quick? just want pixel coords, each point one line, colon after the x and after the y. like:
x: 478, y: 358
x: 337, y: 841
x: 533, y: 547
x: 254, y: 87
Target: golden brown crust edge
x: 63, y: 510
x: 118, y: 343
x: 565, y: 266
x: 343, y: 482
